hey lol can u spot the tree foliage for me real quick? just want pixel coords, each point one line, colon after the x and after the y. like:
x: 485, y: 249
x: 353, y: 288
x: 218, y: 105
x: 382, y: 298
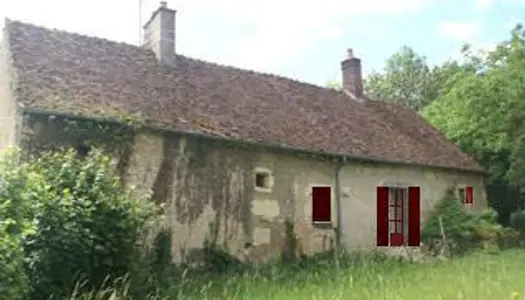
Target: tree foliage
x: 483, y: 111
x: 73, y: 220
x: 405, y: 79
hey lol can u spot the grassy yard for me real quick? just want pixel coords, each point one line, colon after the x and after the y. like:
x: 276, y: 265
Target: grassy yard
x: 480, y: 276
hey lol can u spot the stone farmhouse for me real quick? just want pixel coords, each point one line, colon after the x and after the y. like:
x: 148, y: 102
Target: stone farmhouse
x: 232, y: 154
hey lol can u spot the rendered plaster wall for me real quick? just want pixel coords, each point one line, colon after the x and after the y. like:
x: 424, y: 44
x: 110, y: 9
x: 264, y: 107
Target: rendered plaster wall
x: 208, y: 192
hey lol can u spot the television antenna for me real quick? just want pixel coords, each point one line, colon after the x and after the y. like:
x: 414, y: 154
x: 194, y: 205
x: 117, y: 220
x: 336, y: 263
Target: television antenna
x: 140, y: 22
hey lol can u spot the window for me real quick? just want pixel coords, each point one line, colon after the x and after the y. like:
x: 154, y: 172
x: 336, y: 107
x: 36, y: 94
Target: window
x: 263, y: 180
x: 466, y: 195
x: 321, y: 205
x: 398, y: 216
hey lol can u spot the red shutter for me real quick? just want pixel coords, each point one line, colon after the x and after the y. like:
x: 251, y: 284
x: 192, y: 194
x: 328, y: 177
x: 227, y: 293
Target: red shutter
x: 469, y: 195
x: 382, y: 216
x: 414, y: 234
x: 321, y: 204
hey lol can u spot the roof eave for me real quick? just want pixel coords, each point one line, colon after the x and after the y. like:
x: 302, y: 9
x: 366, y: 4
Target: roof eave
x: 342, y: 156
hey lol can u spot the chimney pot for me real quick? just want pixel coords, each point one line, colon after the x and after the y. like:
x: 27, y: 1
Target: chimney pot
x: 349, y: 53
x: 163, y: 4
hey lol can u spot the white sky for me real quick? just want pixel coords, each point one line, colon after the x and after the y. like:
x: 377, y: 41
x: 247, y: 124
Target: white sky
x: 237, y: 32
x: 273, y: 36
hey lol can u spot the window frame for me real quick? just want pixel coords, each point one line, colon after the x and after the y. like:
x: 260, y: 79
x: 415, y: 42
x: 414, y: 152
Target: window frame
x: 322, y: 224
x: 398, y: 220
x: 269, y: 181
x: 461, y: 193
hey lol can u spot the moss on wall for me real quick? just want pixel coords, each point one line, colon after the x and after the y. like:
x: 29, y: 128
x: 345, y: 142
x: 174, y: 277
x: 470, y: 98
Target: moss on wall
x: 47, y: 133
x: 194, y: 173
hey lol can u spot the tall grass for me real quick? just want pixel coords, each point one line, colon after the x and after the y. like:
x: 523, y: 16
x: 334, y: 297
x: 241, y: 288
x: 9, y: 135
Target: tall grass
x: 479, y: 276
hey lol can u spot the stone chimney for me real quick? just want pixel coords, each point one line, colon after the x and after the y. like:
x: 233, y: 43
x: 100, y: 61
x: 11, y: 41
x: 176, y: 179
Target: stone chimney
x: 159, y: 34
x: 352, y: 75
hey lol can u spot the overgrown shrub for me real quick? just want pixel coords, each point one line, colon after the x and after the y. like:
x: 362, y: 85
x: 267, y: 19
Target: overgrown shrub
x: 20, y: 188
x: 463, y: 230
x: 87, y: 226
x: 219, y: 261
x: 510, y: 238
x: 155, y: 269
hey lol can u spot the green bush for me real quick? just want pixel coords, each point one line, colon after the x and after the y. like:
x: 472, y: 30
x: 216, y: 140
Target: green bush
x: 20, y: 188
x: 88, y: 227
x: 463, y: 230
x: 510, y: 238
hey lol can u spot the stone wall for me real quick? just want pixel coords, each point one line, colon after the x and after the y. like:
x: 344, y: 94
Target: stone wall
x: 208, y: 191
x: 7, y: 101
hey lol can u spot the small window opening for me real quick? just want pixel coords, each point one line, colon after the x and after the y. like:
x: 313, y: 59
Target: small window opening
x: 465, y: 195
x: 262, y: 180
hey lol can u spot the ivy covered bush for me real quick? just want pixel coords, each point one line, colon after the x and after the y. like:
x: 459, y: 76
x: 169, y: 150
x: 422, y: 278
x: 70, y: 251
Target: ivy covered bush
x: 459, y: 228
x: 72, y: 219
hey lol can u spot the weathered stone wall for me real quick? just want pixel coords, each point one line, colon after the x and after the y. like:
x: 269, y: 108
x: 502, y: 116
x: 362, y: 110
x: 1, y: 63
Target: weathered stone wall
x: 208, y: 192
x: 206, y: 189
x: 7, y: 100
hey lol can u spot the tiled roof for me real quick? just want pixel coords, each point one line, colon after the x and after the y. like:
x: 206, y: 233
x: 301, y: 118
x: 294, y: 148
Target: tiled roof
x: 72, y: 73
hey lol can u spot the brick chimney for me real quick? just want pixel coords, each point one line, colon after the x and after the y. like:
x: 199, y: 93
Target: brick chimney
x: 159, y: 34
x: 352, y: 75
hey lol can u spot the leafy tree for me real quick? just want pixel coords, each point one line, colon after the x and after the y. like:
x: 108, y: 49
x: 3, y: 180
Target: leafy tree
x: 483, y: 111
x: 405, y: 79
